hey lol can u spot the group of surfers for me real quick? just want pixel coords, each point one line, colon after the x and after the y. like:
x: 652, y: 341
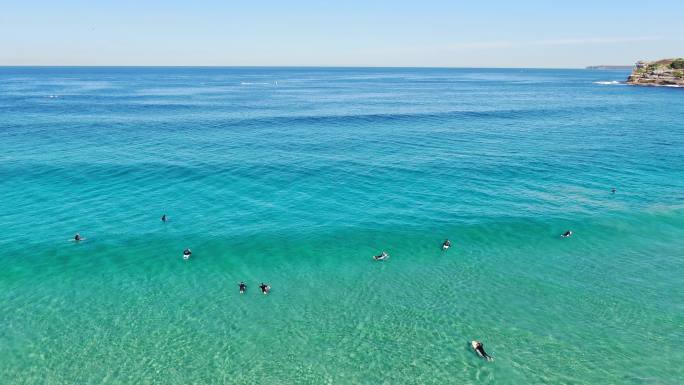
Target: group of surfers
x: 265, y: 288
x: 477, y: 346
x: 446, y: 245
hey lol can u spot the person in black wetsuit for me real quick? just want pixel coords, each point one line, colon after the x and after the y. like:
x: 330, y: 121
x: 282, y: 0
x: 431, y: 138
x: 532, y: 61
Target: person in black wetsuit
x: 264, y: 288
x: 187, y: 253
x: 446, y: 244
x: 479, y: 348
x: 163, y: 218
x: 567, y: 234
x: 77, y: 237
x: 243, y: 287
x: 383, y: 256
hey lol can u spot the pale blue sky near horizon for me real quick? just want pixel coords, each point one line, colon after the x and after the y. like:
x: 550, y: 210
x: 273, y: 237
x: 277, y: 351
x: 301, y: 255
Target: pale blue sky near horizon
x: 429, y: 33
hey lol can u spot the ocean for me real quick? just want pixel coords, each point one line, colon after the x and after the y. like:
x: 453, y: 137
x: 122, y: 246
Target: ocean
x: 296, y: 177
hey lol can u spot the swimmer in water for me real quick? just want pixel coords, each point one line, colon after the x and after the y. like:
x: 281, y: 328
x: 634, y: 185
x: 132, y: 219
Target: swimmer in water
x: 446, y: 245
x: 163, y: 218
x: 383, y: 256
x: 613, y: 190
x: 566, y: 234
x: 243, y: 288
x: 264, y: 288
x: 77, y: 237
x: 479, y: 349
x: 187, y: 253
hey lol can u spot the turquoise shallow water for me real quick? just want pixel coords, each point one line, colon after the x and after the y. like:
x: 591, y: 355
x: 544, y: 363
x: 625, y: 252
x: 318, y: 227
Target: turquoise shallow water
x: 296, y: 176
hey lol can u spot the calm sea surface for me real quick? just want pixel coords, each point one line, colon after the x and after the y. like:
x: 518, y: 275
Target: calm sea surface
x: 296, y: 177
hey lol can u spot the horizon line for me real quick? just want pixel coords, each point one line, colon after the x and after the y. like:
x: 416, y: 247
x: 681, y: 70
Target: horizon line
x: 288, y: 66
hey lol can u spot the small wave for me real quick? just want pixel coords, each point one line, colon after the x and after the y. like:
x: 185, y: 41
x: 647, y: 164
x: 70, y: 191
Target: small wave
x: 255, y: 83
x: 53, y: 96
x: 609, y: 83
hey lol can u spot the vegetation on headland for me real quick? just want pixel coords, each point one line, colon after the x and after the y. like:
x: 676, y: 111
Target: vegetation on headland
x: 666, y: 72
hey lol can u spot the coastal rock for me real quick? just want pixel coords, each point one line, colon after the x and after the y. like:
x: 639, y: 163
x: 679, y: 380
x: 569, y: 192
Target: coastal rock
x: 667, y: 72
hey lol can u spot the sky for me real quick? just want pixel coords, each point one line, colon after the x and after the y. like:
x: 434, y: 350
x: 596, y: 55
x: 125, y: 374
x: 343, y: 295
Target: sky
x: 427, y: 33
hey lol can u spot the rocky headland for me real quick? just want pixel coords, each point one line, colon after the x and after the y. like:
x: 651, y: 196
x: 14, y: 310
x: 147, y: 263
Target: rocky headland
x: 667, y: 73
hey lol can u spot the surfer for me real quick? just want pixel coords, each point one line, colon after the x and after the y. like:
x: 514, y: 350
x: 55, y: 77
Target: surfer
x: 264, y: 288
x: 163, y: 218
x: 187, y: 253
x: 613, y: 190
x: 566, y: 234
x: 383, y: 256
x: 243, y: 288
x: 77, y: 237
x: 446, y: 245
x: 479, y: 349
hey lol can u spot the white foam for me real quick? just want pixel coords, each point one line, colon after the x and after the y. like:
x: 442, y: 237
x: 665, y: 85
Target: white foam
x: 609, y: 83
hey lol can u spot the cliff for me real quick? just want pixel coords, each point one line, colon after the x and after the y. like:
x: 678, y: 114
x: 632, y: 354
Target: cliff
x: 668, y: 72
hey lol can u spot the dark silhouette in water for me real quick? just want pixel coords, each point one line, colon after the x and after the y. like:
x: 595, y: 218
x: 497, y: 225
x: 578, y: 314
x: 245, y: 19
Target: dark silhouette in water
x: 383, y: 256
x: 479, y: 349
x: 446, y: 245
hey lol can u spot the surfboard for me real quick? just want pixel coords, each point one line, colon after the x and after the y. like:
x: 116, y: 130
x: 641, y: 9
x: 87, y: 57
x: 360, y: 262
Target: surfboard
x: 474, y: 345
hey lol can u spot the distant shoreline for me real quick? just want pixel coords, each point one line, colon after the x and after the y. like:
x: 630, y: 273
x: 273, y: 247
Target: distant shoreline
x: 610, y: 67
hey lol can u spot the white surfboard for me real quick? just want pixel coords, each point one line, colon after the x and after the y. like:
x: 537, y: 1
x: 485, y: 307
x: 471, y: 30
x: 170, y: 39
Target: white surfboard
x: 474, y: 345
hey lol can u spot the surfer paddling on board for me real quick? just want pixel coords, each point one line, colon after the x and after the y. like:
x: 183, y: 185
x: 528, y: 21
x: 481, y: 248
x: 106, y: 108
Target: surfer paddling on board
x: 479, y: 349
x: 186, y: 254
x: 566, y: 234
x: 382, y: 257
x: 446, y: 245
x: 78, y: 237
x: 243, y: 288
x: 264, y: 288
